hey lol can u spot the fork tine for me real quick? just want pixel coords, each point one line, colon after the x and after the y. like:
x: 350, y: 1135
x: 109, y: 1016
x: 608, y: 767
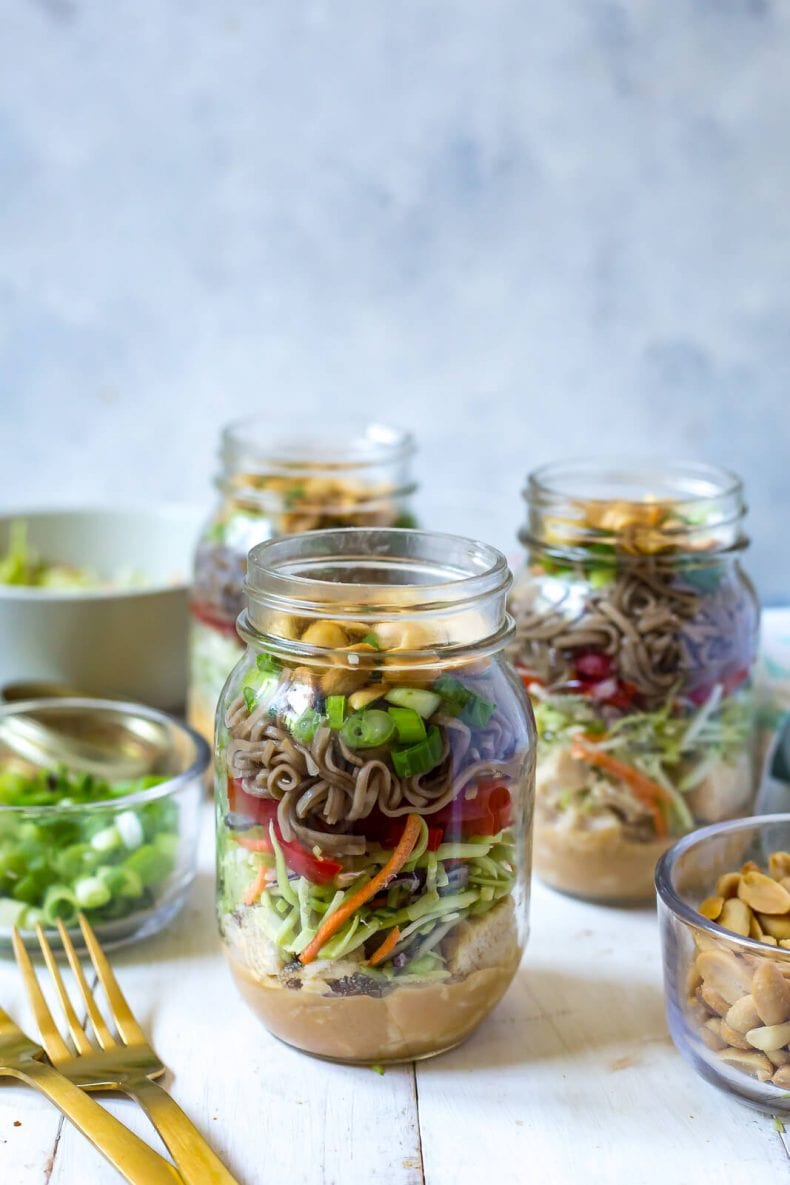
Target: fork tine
x: 78, y: 1034
x: 103, y: 1034
x: 51, y: 1039
x: 122, y: 1014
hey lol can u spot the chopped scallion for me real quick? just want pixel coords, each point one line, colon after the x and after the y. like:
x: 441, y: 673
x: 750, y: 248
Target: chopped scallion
x: 419, y: 758
x: 409, y: 724
x: 367, y: 729
x: 335, y: 711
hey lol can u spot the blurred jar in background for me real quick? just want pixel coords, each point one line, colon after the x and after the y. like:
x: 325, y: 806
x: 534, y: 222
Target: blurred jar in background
x: 636, y: 637
x: 282, y: 481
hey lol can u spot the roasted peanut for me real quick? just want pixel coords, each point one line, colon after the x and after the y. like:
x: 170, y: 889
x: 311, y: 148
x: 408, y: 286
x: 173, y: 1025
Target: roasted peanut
x: 755, y: 1064
x: 725, y: 974
x: 711, y: 907
x: 727, y: 884
x: 367, y: 695
x: 767, y: 1037
x: 775, y: 927
x: 763, y: 894
x: 755, y: 929
x: 743, y: 1014
x: 779, y: 1057
x: 749, y: 866
x: 736, y: 915
x: 328, y: 634
x: 403, y: 635
x: 343, y: 680
x: 734, y: 1038
x: 771, y: 994
x: 711, y: 1035
x: 782, y: 1077
x: 693, y: 981
x: 779, y: 865
x: 712, y: 1000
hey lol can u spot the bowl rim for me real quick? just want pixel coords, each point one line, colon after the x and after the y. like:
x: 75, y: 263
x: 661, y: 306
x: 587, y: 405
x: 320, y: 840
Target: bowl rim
x: 176, y: 512
x: 170, y: 785
x: 671, y: 900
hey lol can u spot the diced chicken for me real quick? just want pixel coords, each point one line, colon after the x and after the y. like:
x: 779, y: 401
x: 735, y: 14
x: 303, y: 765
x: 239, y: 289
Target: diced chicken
x: 487, y: 941
x: 725, y: 792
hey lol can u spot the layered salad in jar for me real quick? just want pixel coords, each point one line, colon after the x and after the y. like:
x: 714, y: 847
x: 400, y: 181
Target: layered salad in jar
x: 636, y: 634
x: 257, y: 506
x: 373, y: 823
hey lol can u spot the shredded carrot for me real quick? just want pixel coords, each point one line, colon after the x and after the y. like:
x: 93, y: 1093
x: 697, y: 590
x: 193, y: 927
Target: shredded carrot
x: 254, y: 845
x: 649, y: 793
x: 256, y: 888
x: 335, y: 922
x: 386, y: 948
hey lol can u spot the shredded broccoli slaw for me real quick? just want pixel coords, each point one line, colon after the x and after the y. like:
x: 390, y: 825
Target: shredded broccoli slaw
x: 432, y: 893
x: 675, y: 747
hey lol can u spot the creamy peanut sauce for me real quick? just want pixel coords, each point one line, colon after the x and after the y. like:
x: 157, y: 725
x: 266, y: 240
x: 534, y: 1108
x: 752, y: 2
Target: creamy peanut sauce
x: 598, y: 862
x: 410, y: 1022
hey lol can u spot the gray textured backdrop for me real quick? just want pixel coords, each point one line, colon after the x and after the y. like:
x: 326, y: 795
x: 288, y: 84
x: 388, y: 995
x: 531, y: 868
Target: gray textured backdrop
x: 524, y: 229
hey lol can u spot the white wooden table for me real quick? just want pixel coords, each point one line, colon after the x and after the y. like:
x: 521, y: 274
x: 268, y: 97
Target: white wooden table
x: 573, y: 1078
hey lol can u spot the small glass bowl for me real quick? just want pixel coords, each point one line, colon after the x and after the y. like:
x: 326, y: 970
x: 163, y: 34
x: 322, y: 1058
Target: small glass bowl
x: 125, y: 862
x: 708, y: 969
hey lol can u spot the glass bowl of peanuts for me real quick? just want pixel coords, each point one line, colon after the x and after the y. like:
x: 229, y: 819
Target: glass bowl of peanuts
x: 724, y: 915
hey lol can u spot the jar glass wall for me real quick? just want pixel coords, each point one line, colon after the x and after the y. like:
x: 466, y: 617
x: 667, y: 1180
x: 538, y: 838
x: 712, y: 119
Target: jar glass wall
x: 374, y: 786
x: 277, y: 482
x: 636, y: 632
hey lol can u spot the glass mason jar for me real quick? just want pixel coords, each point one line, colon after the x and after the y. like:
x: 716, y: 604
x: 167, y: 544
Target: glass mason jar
x: 374, y: 784
x: 276, y: 483
x: 636, y: 633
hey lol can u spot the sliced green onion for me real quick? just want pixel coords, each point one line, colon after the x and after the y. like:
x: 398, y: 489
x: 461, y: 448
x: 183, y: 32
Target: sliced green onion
x: 454, y: 694
x: 11, y: 911
x: 150, y: 864
x: 419, y: 758
x: 250, y: 696
x: 372, y: 640
x: 335, y: 711
x: 304, y: 729
x: 460, y: 701
x: 477, y: 711
x: 106, y: 839
x: 409, y: 725
x: 424, y: 703
x: 130, y: 829
x: 122, y: 882
x: 367, y: 729
x: 59, y: 902
x: 91, y: 892
x: 268, y: 664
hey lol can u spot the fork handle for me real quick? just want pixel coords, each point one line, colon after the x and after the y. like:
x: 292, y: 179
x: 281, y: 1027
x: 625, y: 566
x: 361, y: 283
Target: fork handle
x: 126, y: 1152
x: 195, y: 1160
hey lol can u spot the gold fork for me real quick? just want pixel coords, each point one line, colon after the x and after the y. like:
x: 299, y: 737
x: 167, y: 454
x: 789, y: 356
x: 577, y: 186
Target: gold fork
x: 129, y: 1065
x: 139, y: 1164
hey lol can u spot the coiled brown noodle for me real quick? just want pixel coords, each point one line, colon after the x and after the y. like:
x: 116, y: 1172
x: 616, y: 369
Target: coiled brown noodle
x: 324, y: 788
x: 643, y: 620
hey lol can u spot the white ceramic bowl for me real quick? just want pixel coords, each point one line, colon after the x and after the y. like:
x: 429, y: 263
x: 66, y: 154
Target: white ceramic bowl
x: 118, y: 642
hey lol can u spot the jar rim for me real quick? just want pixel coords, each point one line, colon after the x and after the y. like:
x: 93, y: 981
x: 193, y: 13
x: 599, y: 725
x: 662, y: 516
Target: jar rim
x: 703, y: 481
x: 642, y: 506
x: 326, y: 447
x: 276, y: 569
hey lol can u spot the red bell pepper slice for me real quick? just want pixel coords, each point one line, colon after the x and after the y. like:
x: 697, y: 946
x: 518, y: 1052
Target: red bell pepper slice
x: 318, y: 869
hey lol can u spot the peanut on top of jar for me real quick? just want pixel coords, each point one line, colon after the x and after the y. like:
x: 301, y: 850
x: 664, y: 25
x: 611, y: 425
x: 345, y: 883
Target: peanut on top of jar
x: 640, y: 509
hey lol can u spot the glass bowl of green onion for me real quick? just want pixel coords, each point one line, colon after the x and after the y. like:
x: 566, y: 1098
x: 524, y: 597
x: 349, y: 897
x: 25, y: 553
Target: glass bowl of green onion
x: 99, y: 813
